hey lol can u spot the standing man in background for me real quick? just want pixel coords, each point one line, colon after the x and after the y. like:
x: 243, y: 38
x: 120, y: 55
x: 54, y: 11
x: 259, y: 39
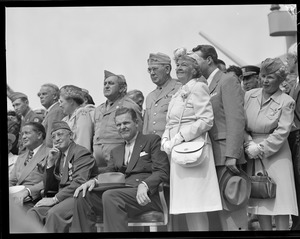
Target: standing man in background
x: 227, y: 133
x: 250, y: 77
x: 20, y: 103
x: 49, y: 96
x: 294, y: 137
x: 157, y: 101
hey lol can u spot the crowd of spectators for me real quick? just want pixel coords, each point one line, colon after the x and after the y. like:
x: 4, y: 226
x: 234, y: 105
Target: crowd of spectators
x: 245, y: 115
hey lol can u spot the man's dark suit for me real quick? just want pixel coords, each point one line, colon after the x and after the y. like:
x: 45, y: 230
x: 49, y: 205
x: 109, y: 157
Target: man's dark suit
x: 80, y: 165
x: 54, y: 114
x: 147, y: 163
x: 294, y: 142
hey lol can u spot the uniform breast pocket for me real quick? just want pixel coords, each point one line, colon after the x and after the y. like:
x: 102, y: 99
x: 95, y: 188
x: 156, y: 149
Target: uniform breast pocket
x: 164, y: 108
x: 273, y: 113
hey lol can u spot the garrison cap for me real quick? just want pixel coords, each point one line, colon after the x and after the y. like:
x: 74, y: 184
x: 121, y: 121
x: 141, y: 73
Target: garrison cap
x: 158, y: 58
x: 17, y: 95
x: 59, y: 125
x: 108, y: 74
x: 271, y: 65
x: 250, y: 70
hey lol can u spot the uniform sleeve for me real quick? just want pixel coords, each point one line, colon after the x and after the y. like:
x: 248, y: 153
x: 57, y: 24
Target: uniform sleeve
x: 146, y: 118
x: 84, y: 130
x: 202, y: 106
x: 276, y: 139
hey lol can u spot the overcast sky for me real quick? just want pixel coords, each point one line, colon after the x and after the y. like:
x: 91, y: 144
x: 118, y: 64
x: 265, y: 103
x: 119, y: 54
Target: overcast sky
x: 74, y: 45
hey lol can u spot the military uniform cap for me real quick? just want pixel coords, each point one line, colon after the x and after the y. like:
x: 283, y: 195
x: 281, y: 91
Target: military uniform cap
x: 270, y: 65
x: 108, y: 74
x: 17, y: 95
x: 250, y: 70
x: 158, y: 58
x: 59, y: 125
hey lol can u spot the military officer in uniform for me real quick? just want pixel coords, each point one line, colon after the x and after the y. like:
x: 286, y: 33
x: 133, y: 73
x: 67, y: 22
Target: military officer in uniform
x: 157, y: 101
x: 106, y: 136
x: 21, y: 105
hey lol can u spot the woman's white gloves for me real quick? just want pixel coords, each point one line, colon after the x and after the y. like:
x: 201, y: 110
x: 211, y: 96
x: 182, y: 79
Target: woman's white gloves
x: 167, y: 145
x: 253, y: 150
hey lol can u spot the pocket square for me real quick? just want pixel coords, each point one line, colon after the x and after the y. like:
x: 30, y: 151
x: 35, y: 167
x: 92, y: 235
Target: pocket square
x: 143, y: 154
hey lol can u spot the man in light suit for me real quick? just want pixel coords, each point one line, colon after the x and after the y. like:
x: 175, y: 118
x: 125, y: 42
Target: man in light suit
x: 227, y: 133
x: 30, y: 165
x: 148, y: 166
x: 294, y: 137
x: 157, y: 101
x: 49, y: 96
x: 68, y: 166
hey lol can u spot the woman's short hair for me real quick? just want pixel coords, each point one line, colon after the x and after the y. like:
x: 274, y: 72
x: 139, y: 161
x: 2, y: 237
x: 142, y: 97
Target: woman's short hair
x: 37, y: 127
x: 181, y: 53
x: 72, y: 92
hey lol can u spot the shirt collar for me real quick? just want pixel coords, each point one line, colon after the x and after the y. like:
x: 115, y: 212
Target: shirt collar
x: 51, y: 106
x: 36, y: 149
x: 132, y: 140
x: 165, y: 84
x: 211, y: 76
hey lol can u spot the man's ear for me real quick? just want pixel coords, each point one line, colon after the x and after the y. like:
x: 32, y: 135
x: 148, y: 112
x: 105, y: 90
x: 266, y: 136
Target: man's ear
x: 71, y: 135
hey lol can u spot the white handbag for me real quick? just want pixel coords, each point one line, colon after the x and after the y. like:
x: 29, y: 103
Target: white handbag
x: 192, y: 153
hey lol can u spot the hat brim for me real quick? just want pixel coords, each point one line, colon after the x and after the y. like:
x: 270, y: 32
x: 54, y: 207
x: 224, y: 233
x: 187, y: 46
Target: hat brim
x: 106, y: 186
x: 226, y: 175
x: 250, y: 73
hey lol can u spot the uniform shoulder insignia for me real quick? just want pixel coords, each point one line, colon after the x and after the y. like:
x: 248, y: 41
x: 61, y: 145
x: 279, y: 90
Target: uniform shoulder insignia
x: 292, y: 105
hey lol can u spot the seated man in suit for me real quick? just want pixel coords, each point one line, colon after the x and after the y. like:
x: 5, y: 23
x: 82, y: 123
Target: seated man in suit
x: 145, y: 166
x: 68, y: 166
x: 30, y: 165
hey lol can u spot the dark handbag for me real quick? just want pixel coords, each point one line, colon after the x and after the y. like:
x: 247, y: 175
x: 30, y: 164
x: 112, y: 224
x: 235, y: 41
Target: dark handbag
x: 262, y: 186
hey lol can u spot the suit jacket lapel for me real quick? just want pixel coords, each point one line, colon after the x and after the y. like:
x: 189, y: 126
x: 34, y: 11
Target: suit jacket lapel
x: 39, y: 156
x: 215, y: 81
x: 138, y: 146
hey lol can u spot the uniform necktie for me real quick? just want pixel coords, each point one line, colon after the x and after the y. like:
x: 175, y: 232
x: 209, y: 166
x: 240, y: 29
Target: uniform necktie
x: 29, y: 156
x: 127, y: 153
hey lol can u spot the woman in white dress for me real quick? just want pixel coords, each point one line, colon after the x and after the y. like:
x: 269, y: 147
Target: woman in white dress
x: 269, y: 117
x: 193, y: 190
x: 78, y: 117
